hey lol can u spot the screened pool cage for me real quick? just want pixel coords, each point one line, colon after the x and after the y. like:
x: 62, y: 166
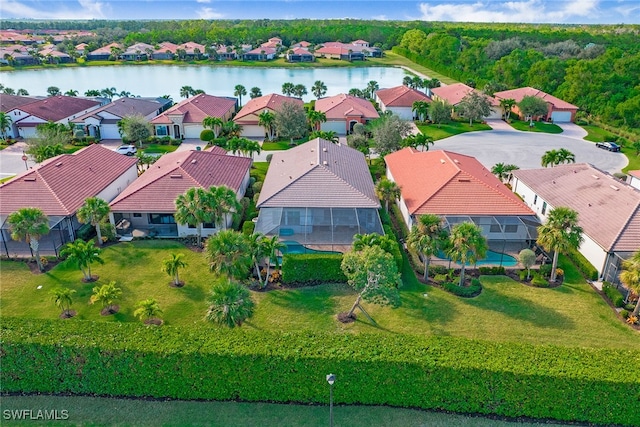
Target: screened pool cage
x: 321, y: 227
x: 60, y: 233
x: 518, y: 232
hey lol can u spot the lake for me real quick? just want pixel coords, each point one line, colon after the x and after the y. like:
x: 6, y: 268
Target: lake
x: 158, y: 80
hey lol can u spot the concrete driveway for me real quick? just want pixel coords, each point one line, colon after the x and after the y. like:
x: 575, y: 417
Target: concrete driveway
x: 526, y: 149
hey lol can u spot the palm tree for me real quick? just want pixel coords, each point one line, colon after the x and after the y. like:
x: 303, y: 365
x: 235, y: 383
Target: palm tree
x: 299, y: 90
x: 5, y: 123
x: 426, y: 238
x: 82, y: 254
x: 224, y: 201
x: 267, y: 120
x: 29, y: 224
x: 566, y: 156
x: 630, y: 277
x: 328, y: 135
x: 421, y: 108
x: 270, y: 247
x: 228, y: 253
x: 550, y: 157
x: 106, y: 295
x: 467, y: 245
x: 71, y: 92
x: 22, y: 92
x: 186, y: 91
x: 239, y: 91
x: 62, y: 299
x: 507, y: 105
x: 230, y: 303
x: 315, y: 118
x: 172, y: 267
x: 499, y: 170
x: 214, y: 123
x: 194, y: 207
x: 288, y: 88
x: 418, y: 140
x: 407, y: 81
x: 147, y: 309
x: 560, y: 233
x: 256, y: 250
x: 386, y: 191
x: 509, y: 170
x: 417, y: 82
x: 372, y: 87
x: 250, y: 147
x: 255, y: 92
x: 319, y: 89
x: 231, y: 129
x: 94, y: 211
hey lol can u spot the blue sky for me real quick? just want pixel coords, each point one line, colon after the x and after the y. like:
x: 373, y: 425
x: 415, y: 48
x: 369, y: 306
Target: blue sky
x: 529, y: 11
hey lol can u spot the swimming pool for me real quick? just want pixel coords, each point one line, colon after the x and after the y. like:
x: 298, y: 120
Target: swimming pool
x: 491, y: 258
x: 293, y: 247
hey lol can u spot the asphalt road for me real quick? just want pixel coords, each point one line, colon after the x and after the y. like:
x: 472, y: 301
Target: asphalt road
x: 525, y: 149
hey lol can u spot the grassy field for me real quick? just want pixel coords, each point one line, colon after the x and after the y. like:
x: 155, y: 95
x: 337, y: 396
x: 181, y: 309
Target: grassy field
x: 109, y: 411
x: 393, y: 59
x: 537, y: 126
x: 273, y: 146
x: 571, y: 315
x: 259, y: 170
x: 596, y: 134
x: 159, y: 148
x: 446, y: 130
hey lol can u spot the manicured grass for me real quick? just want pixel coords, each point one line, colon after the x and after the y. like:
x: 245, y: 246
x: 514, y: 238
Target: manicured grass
x: 158, y: 148
x: 571, y: 315
x: 393, y: 59
x: 5, y: 179
x: 596, y: 134
x: 109, y: 411
x: 446, y: 130
x: 70, y: 149
x: 259, y: 170
x: 273, y: 146
x: 537, y: 126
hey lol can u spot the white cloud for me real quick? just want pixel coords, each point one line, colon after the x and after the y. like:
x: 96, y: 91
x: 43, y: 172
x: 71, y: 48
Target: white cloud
x: 208, y: 13
x: 380, y: 18
x: 511, y: 11
x: 203, y: 1
x: 86, y: 9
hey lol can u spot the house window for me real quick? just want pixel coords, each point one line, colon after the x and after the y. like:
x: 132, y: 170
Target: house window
x: 161, y: 219
x: 544, y: 207
x: 535, y: 199
x: 162, y: 130
x: 495, y: 228
x: 205, y: 225
x: 137, y: 215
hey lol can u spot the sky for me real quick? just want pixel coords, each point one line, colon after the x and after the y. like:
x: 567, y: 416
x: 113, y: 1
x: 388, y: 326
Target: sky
x: 526, y: 11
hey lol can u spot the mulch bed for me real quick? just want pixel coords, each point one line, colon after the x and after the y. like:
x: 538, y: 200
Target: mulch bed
x: 154, y: 321
x: 33, y: 266
x: 94, y: 278
x: 68, y: 314
x: 344, y: 317
x: 108, y: 311
x: 179, y: 285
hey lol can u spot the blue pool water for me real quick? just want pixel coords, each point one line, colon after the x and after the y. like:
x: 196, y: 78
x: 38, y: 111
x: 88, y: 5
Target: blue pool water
x: 293, y: 247
x: 492, y: 258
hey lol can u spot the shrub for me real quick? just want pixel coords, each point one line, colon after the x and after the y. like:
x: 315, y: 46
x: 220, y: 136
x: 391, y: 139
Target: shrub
x: 430, y: 372
x: 257, y: 187
x: 207, y: 135
x: 248, y: 227
x: 269, y: 156
x: 464, y: 291
x: 86, y: 232
x: 539, y: 281
x: 311, y: 269
x: 613, y: 294
x: 545, y: 270
x: 440, y: 278
x: 492, y: 271
x: 523, y: 275
x: 586, y: 268
x: 624, y: 314
x: 437, y: 269
x: 395, y: 251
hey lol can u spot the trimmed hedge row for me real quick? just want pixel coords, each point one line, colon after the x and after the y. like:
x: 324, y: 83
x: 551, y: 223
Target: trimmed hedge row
x: 586, y: 268
x: 492, y: 271
x: 204, y: 362
x: 312, y: 269
x: 613, y: 294
x: 464, y: 291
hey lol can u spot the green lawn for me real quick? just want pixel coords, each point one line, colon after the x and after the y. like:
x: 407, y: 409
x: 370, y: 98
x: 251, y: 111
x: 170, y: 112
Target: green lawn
x: 446, y: 130
x: 109, y: 411
x: 571, y: 315
x: 393, y: 59
x: 596, y: 134
x: 158, y: 148
x: 537, y: 126
x: 273, y: 146
x: 259, y: 170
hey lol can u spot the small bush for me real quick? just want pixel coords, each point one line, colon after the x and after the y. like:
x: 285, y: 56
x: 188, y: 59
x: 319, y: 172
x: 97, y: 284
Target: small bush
x: 437, y: 269
x: 539, y: 281
x: 269, y: 156
x: 248, y: 227
x: 545, y: 270
x: 86, y: 232
x: 207, y: 135
x: 624, y: 314
x: 257, y: 187
x: 441, y: 278
x: 586, y: 268
x: 492, y: 271
x: 523, y: 275
x: 464, y: 291
x: 312, y: 269
x: 613, y: 294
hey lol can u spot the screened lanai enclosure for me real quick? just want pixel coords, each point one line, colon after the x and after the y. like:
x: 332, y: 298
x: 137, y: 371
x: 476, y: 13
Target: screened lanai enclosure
x: 509, y: 232
x: 324, y: 228
x: 61, y: 231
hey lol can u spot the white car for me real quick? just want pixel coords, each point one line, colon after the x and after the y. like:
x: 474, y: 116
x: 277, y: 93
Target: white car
x: 129, y: 150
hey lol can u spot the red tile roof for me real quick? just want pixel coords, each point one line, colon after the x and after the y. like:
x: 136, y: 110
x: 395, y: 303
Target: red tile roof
x: 166, y: 46
x: 60, y: 185
x: 104, y: 50
x: 520, y: 93
x: 263, y: 50
x: 9, y: 102
x: 190, y: 47
x: 174, y: 173
x: 454, y: 93
x: 342, y: 106
x: 446, y: 183
x: 196, y: 108
x: 124, y: 107
x: 271, y: 102
x: 401, y: 96
x: 55, y: 108
x: 635, y: 174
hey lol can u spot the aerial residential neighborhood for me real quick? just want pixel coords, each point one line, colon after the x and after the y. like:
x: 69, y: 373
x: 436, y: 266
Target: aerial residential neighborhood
x: 309, y: 221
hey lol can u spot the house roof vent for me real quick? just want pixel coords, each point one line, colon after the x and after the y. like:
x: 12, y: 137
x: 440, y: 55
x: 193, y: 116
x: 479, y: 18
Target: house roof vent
x: 175, y: 175
x: 194, y: 161
x: 442, y: 161
x: 614, y: 187
x: 324, y: 149
x: 58, y: 164
x: 595, y: 176
x: 30, y: 178
x: 324, y: 162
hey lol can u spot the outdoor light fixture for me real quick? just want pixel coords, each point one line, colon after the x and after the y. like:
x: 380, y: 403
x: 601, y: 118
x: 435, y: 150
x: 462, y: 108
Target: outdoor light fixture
x: 331, y: 378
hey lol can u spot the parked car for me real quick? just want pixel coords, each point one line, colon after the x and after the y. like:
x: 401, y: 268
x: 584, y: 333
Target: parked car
x: 129, y: 150
x: 611, y: 146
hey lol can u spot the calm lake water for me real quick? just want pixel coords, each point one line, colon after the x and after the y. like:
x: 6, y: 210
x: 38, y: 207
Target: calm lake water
x: 158, y: 80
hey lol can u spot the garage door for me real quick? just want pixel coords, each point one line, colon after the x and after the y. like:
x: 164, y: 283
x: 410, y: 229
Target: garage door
x: 496, y: 113
x: 109, y: 132
x: 336, y: 126
x: 561, y: 116
x: 253, y: 131
x: 192, y: 132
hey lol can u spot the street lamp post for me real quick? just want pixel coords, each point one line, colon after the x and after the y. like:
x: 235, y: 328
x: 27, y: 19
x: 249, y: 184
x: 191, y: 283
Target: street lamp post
x: 24, y: 159
x: 331, y: 378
